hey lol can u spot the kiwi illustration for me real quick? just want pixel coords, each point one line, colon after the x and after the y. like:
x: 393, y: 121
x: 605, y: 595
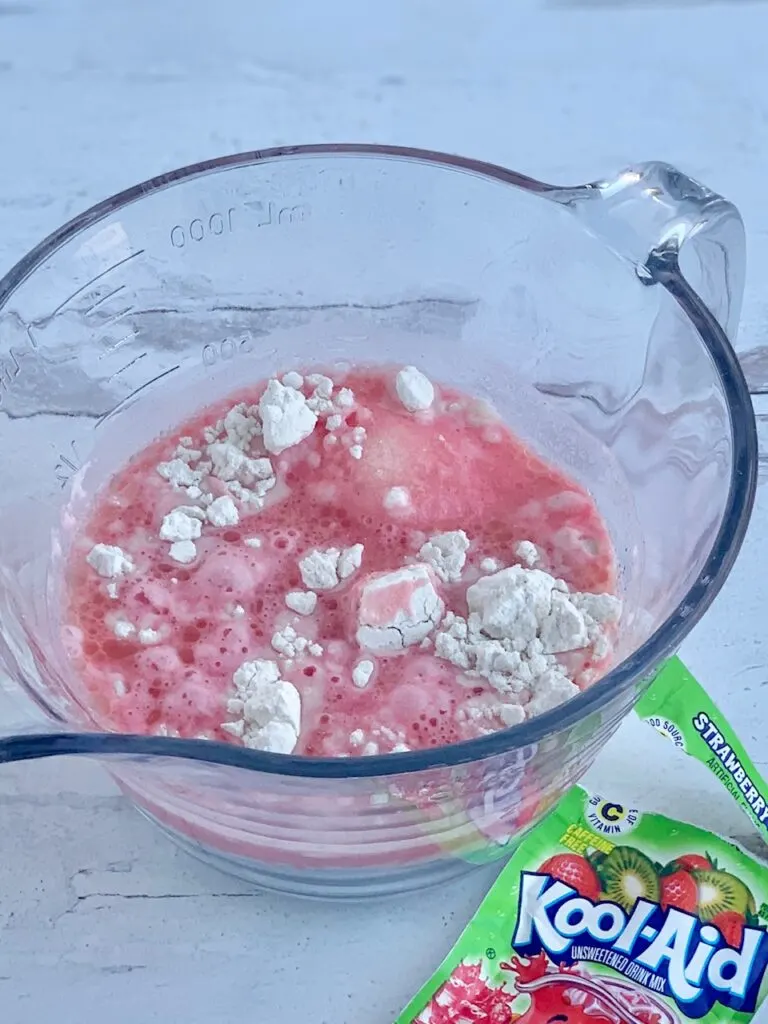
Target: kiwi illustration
x: 596, y: 858
x: 627, y: 876
x: 720, y: 891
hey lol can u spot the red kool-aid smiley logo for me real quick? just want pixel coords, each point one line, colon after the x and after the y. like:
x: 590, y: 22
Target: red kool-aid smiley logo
x: 570, y: 995
x: 567, y: 995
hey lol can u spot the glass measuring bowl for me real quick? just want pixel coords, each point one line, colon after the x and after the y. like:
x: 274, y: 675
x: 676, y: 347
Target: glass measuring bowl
x: 596, y: 318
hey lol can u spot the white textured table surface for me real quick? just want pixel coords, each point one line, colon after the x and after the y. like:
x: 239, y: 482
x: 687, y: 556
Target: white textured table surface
x: 99, y: 917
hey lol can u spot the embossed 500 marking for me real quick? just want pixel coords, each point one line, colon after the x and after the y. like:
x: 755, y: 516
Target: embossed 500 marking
x: 223, y: 351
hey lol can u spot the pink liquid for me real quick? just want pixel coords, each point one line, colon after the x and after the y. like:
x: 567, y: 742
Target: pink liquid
x: 462, y: 471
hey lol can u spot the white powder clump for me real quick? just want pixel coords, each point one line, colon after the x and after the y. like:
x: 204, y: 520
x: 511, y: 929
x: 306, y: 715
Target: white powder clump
x: 519, y: 619
x: 227, y: 460
x: 323, y: 385
x: 512, y: 603
x: 511, y: 714
x: 489, y: 565
x: 192, y: 510
x: 552, y: 689
x: 290, y: 644
x: 241, y: 425
x: 123, y: 629
x: 513, y: 673
x: 356, y: 451
x: 178, y: 473
x: 303, y: 602
x: 397, y: 498
x: 109, y: 561
x: 179, y: 525
x: 398, y: 609
x: 528, y: 553
x: 286, y: 417
x: 319, y: 569
x: 188, y: 455
x: 293, y: 380
x: 183, y: 551
x: 565, y: 628
x: 284, y: 642
x: 236, y: 728
x: 600, y: 611
x: 266, y: 708
x: 253, y: 542
x: 446, y: 553
x: 222, y: 512
x: 350, y: 560
x: 320, y: 401
x: 231, y: 464
x: 362, y: 672
x: 414, y: 390
x: 526, y: 604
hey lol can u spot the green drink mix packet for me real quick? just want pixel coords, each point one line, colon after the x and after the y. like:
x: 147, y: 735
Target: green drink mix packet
x: 608, y: 915
x: 678, y: 707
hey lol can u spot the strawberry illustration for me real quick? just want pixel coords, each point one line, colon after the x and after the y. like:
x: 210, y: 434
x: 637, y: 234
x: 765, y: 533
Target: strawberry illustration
x: 679, y: 889
x: 693, y: 862
x: 575, y: 871
x: 730, y: 923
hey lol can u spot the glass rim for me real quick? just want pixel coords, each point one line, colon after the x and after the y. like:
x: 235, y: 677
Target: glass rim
x: 636, y: 667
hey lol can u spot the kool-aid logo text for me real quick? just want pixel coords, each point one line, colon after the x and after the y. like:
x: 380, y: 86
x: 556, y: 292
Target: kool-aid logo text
x: 670, y: 952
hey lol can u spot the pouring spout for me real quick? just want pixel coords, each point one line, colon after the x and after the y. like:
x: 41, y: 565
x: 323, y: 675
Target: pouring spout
x: 668, y: 226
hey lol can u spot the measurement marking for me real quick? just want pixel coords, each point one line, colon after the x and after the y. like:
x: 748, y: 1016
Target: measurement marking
x: 111, y: 349
x: 126, y: 367
x: 105, y: 298
x: 133, y: 394
x: 114, y: 319
x: 66, y: 466
x: 126, y: 338
x: 401, y: 304
x: 259, y: 207
x: 120, y: 263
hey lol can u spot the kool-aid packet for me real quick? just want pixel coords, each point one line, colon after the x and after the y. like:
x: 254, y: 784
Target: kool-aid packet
x: 608, y: 915
x: 678, y: 707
